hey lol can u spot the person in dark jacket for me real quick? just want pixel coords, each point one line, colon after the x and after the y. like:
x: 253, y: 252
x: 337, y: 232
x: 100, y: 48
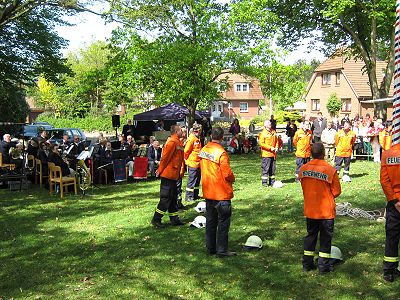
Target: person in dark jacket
x: 154, y: 156
x: 54, y: 157
x: 235, y: 127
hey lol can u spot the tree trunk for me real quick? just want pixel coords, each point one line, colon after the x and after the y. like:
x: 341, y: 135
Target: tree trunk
x: 191, y: 116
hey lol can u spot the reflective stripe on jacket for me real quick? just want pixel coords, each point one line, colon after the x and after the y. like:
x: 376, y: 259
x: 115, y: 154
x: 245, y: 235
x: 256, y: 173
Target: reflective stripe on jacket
x: 171, y: 164
x: 390, y: 170
x: 302, y: 142
x: 344, y: 143
x: 266, y: 140
x: 320, y: 184
x: 216, y: 174
x: 192, y: 150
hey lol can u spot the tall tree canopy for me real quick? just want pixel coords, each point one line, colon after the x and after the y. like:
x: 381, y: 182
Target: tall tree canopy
x: 192, y: 43
x: 364, y: 26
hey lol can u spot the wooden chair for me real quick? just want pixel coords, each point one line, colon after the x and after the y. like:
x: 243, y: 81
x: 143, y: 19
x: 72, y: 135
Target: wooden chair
x: 7, y: 166
x: 31, y: 162
x: 55, y: 177
x: 103, y: 172
x: 39, y: 172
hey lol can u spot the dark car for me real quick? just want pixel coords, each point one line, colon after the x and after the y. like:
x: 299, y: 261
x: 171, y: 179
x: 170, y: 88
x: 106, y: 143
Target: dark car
x: 32, y: 130
x: 55, y: 135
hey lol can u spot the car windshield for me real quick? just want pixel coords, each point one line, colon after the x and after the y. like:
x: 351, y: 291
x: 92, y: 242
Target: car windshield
x: 56, y: 134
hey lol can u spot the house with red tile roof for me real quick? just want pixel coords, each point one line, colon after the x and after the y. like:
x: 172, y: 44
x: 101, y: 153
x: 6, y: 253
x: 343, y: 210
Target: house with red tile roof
x: 349, y: 80
x: 242, y: 98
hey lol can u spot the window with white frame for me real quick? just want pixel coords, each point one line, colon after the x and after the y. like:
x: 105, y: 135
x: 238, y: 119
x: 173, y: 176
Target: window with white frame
x: 242, y: 87
x: 337, y: 78
x: 315, y: 104
x: 244, y: 107
x: 346, y: 105
x: 326, y: 79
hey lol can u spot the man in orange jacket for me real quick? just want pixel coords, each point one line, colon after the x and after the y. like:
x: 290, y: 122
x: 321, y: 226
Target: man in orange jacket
x: 344, y: 141
x: 302, y: 142
x: 390, y: 182
x: 385, y: 136
x: 170, y: 170
x: 192, y: 160
x: 269, y: 145
x: 320, y: 184
x: 216, y: 180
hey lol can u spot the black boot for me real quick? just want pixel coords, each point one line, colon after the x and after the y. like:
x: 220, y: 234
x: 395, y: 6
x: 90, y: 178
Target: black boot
x: 156, y: 221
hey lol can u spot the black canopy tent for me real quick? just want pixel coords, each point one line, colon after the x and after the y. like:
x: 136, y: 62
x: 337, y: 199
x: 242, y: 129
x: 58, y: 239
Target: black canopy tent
x: 170, y: 113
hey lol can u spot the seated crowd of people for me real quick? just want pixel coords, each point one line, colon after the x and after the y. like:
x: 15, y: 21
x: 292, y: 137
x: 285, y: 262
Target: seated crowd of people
x: 66, y: 154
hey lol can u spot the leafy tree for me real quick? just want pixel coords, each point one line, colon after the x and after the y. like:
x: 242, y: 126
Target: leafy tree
x: 334, y: 104
x: 365, y: 27
x: 285, y: 84
x: 13, y: 107
x: 193, y: 43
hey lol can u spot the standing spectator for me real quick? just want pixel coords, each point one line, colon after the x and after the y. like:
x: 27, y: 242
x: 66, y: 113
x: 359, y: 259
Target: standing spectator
x: 318, y: 126
x: 328, y: 139
x: 291, y: 129
x: 159, y: 126
x: 374, y: 134
x: 128, y: 128
x: 170, y: 170
x: 356, y: 118
x: 320, y: 184
x: 206, y: 130
x: 217, y: 180
x: 344, y: 141
x: 235, y: 127
x: 302, y: 142
x: 385, y: 136
x: 390, y: 182
x: 268, y: 142
x: 192, y: 161
x: 154, y: 157
x: 345, y: 119
x: 335, y: 124
x: 273, y: 123
x: 358, y: 145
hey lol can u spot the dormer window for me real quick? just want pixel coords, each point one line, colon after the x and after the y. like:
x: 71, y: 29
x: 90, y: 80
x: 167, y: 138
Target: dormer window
x: 242, y: 87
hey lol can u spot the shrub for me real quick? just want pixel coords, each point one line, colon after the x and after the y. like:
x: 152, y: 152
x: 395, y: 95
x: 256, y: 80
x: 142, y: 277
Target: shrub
x: 281, y: 117
x: 333, y: 105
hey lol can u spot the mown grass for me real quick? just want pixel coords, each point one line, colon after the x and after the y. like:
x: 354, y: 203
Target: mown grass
x: 103, y: 247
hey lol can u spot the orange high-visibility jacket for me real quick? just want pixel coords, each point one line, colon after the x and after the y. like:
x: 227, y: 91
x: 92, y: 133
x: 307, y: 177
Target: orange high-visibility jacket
x: 390, y: 170
x: 171, y: 164
x: 302, y: 142
x: 320, y: 184
x: 216, y: 174
x: 266, y: 140
x: 192, y: 150
x: 344, y: 143
x: 385, y: 139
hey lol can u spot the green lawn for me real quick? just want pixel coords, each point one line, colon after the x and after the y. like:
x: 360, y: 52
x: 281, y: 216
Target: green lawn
x: 103, y: 247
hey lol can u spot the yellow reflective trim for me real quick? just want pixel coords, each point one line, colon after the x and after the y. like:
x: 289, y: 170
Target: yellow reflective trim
x: 271, y: 176
x: 264, y: 177
x: 309, y: 253
x: 196, y: 187
x: 391, y: 259
x: 173, y: 214
x: 189, y: 190
x: 160, y: 211
x: 324, y: 255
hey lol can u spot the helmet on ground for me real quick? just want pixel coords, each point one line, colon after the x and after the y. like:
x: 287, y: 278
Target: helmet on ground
x: 199, y: 222
x: 336, y: 253
x: 346, y: 178
x: 253, y: 243
x: 201, y: 207
x: 277, y: 184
